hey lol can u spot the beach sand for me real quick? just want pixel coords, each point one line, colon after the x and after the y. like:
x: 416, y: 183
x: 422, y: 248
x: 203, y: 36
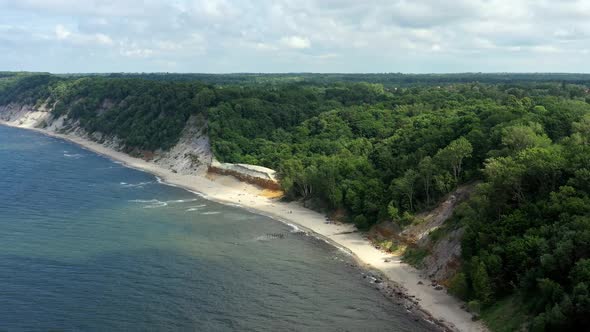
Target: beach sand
x: 437, y: 303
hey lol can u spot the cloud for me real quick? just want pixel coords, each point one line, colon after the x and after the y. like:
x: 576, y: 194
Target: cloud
x: 61, y: 32
x: 64, y: 34
x: 299, y: 35
x: 296, y: 42
x: 136, y: 52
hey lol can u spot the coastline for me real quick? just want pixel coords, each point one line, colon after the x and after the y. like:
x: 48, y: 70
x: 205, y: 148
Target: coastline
x: 439, y: 306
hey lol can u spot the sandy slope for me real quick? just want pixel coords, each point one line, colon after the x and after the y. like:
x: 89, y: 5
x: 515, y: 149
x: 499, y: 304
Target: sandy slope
x: 437, y: 303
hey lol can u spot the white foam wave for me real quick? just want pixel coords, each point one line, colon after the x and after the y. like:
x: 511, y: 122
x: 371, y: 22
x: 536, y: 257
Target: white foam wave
x: 161, y: 181
x: 262, y: 238
x: 135, y: 185
x: 144, y: 200
x: 234, y: 205
x: 152, y: 203
x: 156, y: 205
x: 196, y: 207
x: 110, y: 167
x: 197, y: 193
x: 211, y: 212
x: 182, y: 200
x: 74, y: 156
x: 345, y: 251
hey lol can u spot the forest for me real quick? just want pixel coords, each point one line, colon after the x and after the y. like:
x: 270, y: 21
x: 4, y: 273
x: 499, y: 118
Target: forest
x: 383, y: 147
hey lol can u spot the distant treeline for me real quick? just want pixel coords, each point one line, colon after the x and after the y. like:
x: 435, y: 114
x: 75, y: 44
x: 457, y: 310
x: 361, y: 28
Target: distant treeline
x: 380, y: 152
x: 388, y: 79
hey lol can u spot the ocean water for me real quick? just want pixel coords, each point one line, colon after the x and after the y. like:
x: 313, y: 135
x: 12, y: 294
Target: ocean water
x: 89, y: 245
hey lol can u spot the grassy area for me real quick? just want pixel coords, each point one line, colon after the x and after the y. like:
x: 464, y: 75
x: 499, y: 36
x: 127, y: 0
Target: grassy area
x: 506, y: 315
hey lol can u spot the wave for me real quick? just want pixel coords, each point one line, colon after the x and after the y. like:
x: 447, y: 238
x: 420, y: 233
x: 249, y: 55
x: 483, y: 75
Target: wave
x: 135, y: 185
x: 196, y: 193
x: 294, y: 228
x: 211, y: 212
x: 143, y: 200
x: 261, y: 238
x: 161, y: 181
x: 195, y: 208
x: 156, y: 205
x: 152, y: 203
x: 108, y: 167
x: 74, y: 156
x: 234, y: 205
x: 182, y: 200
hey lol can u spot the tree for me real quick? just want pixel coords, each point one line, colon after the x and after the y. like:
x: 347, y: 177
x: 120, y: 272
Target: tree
x: 582, y: 128
x: 520, y: 137
x: 454, y: 154
x: 480, y: 281
x: 203, y: 99
x: 505, y: 176
x: 581, y: 271
x: 406, y: 185
x: 459, y: 287
x: 392, y: 211
x: 426, y: 170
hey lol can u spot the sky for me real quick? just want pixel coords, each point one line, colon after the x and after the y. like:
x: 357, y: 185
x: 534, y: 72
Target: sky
x: 346, y: 36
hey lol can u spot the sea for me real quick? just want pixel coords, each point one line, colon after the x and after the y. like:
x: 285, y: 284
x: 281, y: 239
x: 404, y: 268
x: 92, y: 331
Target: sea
x: 87, y: 244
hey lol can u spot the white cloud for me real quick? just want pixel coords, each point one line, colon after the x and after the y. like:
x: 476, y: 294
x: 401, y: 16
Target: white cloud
x: 292, y: 35
x: 296, y: 42
x: 61, y: 32
x: 133, y: 51
x: 64, y: 34
x: 103, y: 39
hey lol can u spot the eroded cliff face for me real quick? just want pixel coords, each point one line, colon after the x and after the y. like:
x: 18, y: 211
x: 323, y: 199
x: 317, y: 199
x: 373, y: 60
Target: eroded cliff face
x: 257, y: 175
x: 25, y: 116
x: 191, y: 155
x: 431, y: 234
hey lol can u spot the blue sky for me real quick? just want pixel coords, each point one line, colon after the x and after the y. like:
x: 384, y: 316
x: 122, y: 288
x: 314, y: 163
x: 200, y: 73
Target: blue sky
x: 221, y: 36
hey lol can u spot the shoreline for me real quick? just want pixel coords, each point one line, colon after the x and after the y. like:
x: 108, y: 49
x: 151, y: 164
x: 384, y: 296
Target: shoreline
x: 401, y: 280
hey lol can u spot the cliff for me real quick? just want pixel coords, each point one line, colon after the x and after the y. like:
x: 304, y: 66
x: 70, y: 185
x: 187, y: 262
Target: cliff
x: 258, y: 175
x: 191, y: 155
x: 437, y: 242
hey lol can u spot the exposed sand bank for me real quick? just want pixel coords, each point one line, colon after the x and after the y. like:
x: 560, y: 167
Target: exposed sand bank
x: 437, y: 303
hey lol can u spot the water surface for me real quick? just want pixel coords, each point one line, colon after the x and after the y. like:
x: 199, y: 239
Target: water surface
x: 89, y: 245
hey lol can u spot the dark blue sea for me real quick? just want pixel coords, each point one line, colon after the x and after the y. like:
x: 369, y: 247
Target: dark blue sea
x: 89, y: 245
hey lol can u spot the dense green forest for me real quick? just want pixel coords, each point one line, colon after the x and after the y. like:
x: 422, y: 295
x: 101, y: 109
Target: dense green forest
x: 381, y: 148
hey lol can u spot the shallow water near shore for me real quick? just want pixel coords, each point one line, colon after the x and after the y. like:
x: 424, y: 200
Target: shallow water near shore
x: 87, y: 244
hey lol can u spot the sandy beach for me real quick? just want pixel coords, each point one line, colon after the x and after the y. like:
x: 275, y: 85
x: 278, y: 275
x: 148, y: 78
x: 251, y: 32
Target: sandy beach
x: 437, y: 303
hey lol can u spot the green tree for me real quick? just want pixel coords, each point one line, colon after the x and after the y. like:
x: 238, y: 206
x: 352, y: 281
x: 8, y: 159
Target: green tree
x: 459, y: 286
x: 406, y: 185
x: 482, y: 287
x: 582, y: 128
x: 454, y: 154
x: 520, y: 137
x: 427, y: 170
